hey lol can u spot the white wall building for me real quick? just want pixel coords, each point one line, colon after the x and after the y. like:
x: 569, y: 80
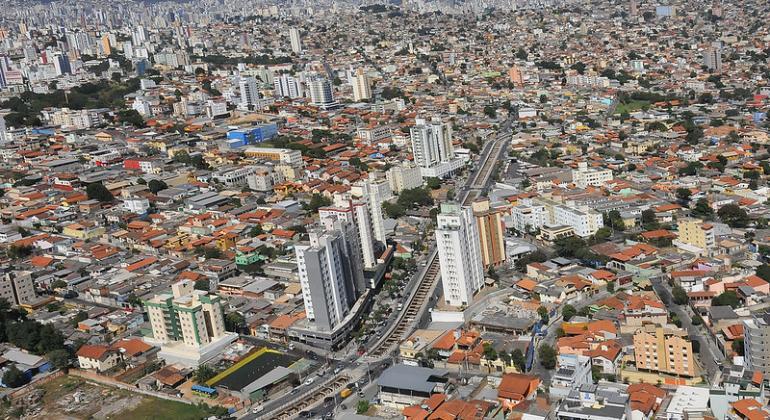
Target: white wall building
x: 583, y: 177
x: 457, y: 236
x: 361, y: 86
x: 528, y: 217
x: 321, y: 93
x: 432, y: 148
x: 295, y: 39
x: 327, y: 278
x: 288, y: 86
x: 249, y: 91
x: 404, y: 177
x: 585, y: 221
x: 376, y: 192
x: 357, y: 214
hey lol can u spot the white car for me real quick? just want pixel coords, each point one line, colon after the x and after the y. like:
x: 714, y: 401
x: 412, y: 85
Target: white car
x: 257, y: 409
x: 309, y: 381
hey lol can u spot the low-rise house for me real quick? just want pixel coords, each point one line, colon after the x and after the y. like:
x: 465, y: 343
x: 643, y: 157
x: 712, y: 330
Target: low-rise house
x: 97, y: 357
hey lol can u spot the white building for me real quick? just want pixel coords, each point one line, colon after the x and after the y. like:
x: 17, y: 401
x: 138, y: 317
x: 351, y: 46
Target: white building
x: 457, y: 237
x: 712, y: 59
x: 188, y: 323
x: 585, y: 221
x: 249, y: 91
x: 361, y: 86
x: 138, y: 205
x: 757, y: 344
x: 357, y: 214
x: 234, y: 176
x: 288, y: 86
x: 541, y: 212
x: 327, y: 277
x: 528, y: 217
x: 142, y: 107
x: 216, y: 108
x: 296, y: 40
x: 432, y: 148
x: 321, y: 93
x: 370, y: 135
x: 404, y: 177
x: 376, y: 192
x: 583, y: 177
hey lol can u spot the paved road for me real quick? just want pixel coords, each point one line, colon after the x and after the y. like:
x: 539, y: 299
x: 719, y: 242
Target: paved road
x: 709, y: 354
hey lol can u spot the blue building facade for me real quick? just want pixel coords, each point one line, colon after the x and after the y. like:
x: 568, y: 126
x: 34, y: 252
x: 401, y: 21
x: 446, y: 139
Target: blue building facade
x: 251, y: 135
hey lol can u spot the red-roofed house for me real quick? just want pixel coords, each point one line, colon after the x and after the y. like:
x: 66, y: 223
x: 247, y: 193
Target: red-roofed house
x: 97, y: 357
x: 515, y: 388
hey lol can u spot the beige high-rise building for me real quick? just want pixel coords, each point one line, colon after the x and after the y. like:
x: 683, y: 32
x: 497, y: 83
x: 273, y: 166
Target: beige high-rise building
x: 106, y: 48
x: 697, y: 233
x: 361, y: 87
x: 491, y: 232
x: 187, y: 315
x: 665, y: 350
x: 516, y: 77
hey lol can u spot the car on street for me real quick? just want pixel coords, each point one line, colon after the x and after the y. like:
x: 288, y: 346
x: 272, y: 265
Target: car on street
x: 309, y: 381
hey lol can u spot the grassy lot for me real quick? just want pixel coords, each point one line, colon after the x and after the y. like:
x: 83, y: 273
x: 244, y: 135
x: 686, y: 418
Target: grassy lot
x: 632, y: 106
x: 154, y: 408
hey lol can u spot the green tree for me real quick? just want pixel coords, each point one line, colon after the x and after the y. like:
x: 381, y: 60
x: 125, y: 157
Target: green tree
x: 543, y: 312
x: 649, y: 221
x: 490, y: 111
x: 702, y: 208
x: 610, y: 286
x: 97, y: 191
x: 59, y: 358
x: 738, y: 347
x: 234, y: 322
x: 18, y: 251
x: 728, y: 298
x: 211, y: 252
x: 156, y: 185
x: 204, y: 373
x: 763, y: 272
x: 256, y: 231
x: 547, y: 356
x: 536, y: 256
x: 202, y: 284
x: 680, y: 295
x: 393, y: 210
x: 132, y: 117
x: 518, y: 360
x: 58, y: 284
x: 683, y: 195
x: 489, y: 352
x: 316, y: 202
x: 79, y: 317
x: 415, y: 197
x: 733, y: 215
x: 602, y: 234
x: 433, y: 183
x: 697, y: 320
x: 362, y: 406
x: 14, y: 378
x: 568, y: 311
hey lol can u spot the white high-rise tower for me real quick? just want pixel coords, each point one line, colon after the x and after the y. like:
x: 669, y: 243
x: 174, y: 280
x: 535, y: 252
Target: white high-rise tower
x: 296, y: 40
x: 361, y: 88
x: 459, y: 251
x: 249, y: 91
